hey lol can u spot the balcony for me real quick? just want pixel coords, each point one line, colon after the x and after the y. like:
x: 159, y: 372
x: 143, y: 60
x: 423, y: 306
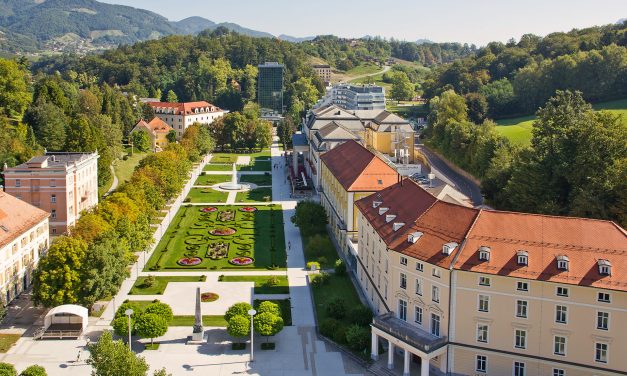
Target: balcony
x: 408, y: 333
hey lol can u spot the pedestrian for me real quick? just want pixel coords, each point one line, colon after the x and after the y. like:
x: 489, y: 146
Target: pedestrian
x: 78, y: 357
x: 87, y: 342
x: 289, y: 245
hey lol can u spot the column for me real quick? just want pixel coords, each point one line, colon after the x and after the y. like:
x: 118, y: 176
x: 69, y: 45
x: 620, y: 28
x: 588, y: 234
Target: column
x: 406, y: 361
x: 374, y: 350
x: 390, y: 355
x: 295, y: 161
x: 424, y: 367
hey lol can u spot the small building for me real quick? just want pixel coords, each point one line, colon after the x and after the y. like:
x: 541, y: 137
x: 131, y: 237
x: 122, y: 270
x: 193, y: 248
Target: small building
x: 323, y: 71
x: 65, y: 321
x: 62, y: 184
x: 179, y: 116
x: 157, y: 130
x: 24, y: 238
x: 270, y: 88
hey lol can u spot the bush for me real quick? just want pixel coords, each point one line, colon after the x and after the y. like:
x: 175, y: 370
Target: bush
x: 34, y: 371
x: 339, y: 335
x: 311, y: 264
x: 360, y: 315
x: 310, y: 218
x: 125, y: 158
x: 272, y: 281
x: 336, y: 308
x: 319, y: 280
x: 340, y: 267
x: 120, y: 326
x: 322, y: 260
x: 203, y: 278
x: 149, y: 281
x: 318, y: 245
x: 358, y: 337
x: 238, y: 326
x: 268, y: 306
x: 236, y: 309
x: 329, y: 326
x: 160, y: 309
x: 7, y: 369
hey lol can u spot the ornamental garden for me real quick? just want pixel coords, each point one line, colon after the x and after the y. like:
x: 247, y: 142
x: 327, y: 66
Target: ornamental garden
x: 222, y: 237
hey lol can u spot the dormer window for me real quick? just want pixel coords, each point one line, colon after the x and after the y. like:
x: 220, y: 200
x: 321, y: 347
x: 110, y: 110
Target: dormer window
x: 605, y: 267
x: 484, y: 253
x: 383, y: 210
x: 413, y: 237
x: 562, y: 262
x: 397, y: 225
x: 389, y: 218
x: 522, y: 258
x: 448, y: 248
x: 376, y: 204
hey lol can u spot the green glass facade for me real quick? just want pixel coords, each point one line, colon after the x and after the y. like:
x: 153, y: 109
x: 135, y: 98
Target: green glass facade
x: 270, y: 87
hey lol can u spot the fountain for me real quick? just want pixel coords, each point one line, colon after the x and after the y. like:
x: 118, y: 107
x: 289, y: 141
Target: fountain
x: 233, y: 185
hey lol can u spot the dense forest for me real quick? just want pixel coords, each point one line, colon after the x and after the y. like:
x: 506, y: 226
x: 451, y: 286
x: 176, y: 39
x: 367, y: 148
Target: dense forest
x: 503, y: 80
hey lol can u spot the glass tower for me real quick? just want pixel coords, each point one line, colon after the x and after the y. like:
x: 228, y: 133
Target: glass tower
x: 270, y: 87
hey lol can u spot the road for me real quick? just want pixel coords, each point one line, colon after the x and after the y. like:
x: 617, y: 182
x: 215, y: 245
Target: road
x: 462, y: 183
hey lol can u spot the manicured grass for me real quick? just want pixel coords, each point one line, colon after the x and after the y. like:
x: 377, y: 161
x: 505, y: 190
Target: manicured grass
x: 160, y: 284
x: 329, y: 254
x: 257, y: 164
x: 198, y: 195
x: 363, y: 69
x: 261, y: 283
x: 256, y: 179
x: 124, y: 168
x: 7, y: 341
x: 255, y: 195
x: 337, y: 287
x: 207, y: 320
x: 212, y: 179
x: 218, y: 167
x: 286, y: 309
x: 258, y: 235
x: 151, y: 346
x: 224, y: 158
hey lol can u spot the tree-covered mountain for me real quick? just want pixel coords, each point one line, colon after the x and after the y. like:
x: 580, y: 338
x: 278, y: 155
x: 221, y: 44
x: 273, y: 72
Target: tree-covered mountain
x: 194, y: 25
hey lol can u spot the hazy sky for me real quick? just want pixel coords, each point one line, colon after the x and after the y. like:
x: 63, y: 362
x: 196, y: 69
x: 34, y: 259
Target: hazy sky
x: 473, y: 21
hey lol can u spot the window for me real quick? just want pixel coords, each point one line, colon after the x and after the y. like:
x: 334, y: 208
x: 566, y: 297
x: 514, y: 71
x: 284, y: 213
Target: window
x: 603, y: 297
x: 435, y: 294
x: 436, y: 273
x: 404, y: 261
x: 522, y: 286
x: 53, y: 214
x: 603, y: 320
x: 53, y: 183
x: 519, y: 369
x: 435, y: 325
x: 419, y: 267
x: 54, y: 231
x: 559, y: 372
x: 562, y: 262
x: 521, y: 339
x: 418, y: 287
x: 402, y: 309
x: 522, y: 258
x: 521, y: 308
x: 482, y: 363
x: 418, y: 315
x: 600, y: 352
x: 605, y: 267
x: 560, y: 314
x: 484, y: 303
x: 559, y: 345
x: 403, y: 281
x: 482, y: 333
x: 484, y: 253
x: 18, y: 183
x: 53, y: 199
x: 562, y: 291
x: 484, y: 281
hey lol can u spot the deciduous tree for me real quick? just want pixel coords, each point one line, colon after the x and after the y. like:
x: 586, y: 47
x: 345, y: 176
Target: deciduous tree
x: 114, y: 358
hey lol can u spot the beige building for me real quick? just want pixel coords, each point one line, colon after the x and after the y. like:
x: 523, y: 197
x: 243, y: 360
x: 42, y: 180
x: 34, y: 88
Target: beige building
x: 157, y: 130
x: 62, y: 184
x: 323, y: 71
x: 23, y: 239
x: 465, y: 291
x: 181, y: 115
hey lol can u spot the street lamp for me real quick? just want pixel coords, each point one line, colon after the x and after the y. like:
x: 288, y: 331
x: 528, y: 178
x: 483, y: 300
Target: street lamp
x: 128, y: 313
x: 252, y: 313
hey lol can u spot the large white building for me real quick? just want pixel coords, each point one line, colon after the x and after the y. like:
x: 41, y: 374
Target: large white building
x: 354, y: 97
x: 23, y: 239
x: 181, y: 115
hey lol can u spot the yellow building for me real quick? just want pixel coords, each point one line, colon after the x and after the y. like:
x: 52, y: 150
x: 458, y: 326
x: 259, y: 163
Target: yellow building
x: 157, y: 130
x: 465, y: 291
x: 349, y: 173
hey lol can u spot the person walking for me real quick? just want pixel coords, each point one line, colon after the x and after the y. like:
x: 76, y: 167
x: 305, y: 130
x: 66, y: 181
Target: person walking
x: 289, y: 245
x: 78, y: 356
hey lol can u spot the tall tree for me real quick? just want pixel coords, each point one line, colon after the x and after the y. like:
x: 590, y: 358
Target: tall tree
x: 14, y: 91
x: 114, y: 358
x: 402, y: 88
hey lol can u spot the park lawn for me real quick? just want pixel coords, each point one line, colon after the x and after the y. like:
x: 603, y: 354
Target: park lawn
x: 218, y: 167
x: 124, y: 168
x: 7, y: 341
x: 338, y: 286
x: 212, y: 179
x: 363, y: 69
x: 261, y: 286
x: 329, y: 254
x: 256, y: 179
x: 255, y: 195
x: 259, y: 235
x: 257, y: 164
x: 160, y: 284
x: 224, y: 158
x: 209, y: 195
x: 286, y: 309
x: 207, y: 320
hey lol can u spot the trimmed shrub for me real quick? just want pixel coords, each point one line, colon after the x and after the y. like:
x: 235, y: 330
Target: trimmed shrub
x: 160, y: 309
x: 34, y: 371
x: 7, y: 369
x: 268, y: 306
x: 236, y: 309
x: 319, y: 280
x: 336, y: 308
x: 328, y: 327
x: 339, y: 335
x: 311, y: 264
x: 340, y: 267
x: 360, y: 315
x: 358, y: 337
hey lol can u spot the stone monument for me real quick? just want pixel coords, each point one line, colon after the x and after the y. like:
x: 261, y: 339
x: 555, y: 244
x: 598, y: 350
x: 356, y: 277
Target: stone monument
x: 198, y: 331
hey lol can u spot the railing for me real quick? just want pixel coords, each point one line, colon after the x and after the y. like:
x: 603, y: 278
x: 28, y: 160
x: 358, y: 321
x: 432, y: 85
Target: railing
x: 59, y: 334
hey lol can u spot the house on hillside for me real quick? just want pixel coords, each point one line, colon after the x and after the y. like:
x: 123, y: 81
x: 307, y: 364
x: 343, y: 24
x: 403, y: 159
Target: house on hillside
x: 157, y: 130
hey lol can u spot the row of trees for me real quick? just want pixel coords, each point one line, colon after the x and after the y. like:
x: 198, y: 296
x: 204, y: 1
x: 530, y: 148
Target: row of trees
x: 267, y: 322
x: 575, y: 165
x: 91, y: 262
x: 242, y: 130
x: 150, y: 322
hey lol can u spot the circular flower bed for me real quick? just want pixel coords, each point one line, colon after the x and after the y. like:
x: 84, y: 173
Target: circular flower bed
x: 224, y: 231
x: 209, y: 209
x: 241, y: 261
x: 207, y: 297
x: 248, y: 209
x: 189, y: 261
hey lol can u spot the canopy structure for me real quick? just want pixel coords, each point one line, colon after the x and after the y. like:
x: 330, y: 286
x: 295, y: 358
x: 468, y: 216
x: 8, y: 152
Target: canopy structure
x: 67, y: 320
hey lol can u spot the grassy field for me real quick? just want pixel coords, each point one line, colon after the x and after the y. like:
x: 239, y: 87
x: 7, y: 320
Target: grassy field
x: 139, y: 288
x: 258, y: 235
x: 338, y: 287
x: 255, y: 195
x: 261, y: 283
x: 212, y: 179
x: 124, y: 168
x: 257, y: 179
x: 257, y: 164
x: 199, y: 195
x: 518, y: 130
x: 218, y: 167
x: 7, y: 341
x: 207, y: 320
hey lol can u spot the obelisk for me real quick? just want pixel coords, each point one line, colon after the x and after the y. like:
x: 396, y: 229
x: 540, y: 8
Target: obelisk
x: 197, y: 333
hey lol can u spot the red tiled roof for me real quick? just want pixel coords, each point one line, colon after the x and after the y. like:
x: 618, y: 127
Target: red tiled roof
x: 159, y: 126
x: 357, y: 168
x: 186, y: 108
x: 17, y: 217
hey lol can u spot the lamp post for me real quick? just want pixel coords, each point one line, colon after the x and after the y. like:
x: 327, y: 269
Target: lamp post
x: 252, y: 313
x: 128, y: 313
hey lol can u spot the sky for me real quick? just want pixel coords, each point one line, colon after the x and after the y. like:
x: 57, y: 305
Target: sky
x: 471, y: 21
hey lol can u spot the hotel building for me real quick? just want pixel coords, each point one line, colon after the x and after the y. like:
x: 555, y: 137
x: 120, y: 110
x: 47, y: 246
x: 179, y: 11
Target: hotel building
x: 179, y: 116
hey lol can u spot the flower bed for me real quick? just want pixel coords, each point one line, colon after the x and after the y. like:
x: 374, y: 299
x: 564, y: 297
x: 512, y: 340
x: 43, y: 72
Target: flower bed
x: 224, y: 231
x: 209, y: 209
x: 241, y: 261
x: 189, y: 261
x: 226, y: 215
x: 207, y: 297
x: 248, y: 209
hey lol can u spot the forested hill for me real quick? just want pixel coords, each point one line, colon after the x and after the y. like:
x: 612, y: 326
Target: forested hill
x: 519, y: 76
